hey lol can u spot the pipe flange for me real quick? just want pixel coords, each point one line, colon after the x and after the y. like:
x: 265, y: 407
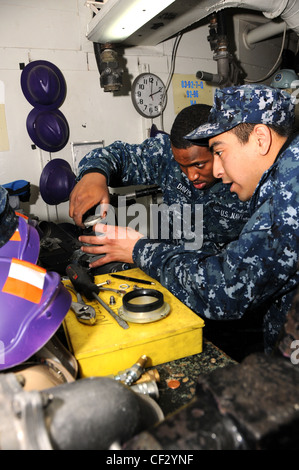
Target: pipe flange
x: 143, y: 306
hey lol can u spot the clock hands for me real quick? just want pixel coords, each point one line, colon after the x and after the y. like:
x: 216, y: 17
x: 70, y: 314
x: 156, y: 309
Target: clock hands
x: 158, y: 91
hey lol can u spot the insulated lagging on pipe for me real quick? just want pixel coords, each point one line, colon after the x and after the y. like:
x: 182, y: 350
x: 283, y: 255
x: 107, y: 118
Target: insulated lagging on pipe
x: 94, y: 413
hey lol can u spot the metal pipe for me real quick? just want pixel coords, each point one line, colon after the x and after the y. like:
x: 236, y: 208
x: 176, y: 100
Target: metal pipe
x: 108, y: 66
x: 209, y: 77
x: 87, y: 414
x: 218, y: 42
x: 287, y: 10
x: 291, y: 15
x: 95, y: 413
x: 264, y: 31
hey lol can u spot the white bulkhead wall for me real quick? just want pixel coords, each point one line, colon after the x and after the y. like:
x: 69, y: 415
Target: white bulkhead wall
x: 54, y: 30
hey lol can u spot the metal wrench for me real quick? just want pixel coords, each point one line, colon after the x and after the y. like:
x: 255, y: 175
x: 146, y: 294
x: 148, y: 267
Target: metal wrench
x: 84, y: 313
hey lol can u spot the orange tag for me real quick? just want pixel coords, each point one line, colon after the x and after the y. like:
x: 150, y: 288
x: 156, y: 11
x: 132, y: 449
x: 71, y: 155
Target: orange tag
x: 22, y: 215
x: 25, y: 280
x: 16, y: 237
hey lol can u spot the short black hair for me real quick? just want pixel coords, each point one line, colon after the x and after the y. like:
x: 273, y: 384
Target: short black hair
x: 243, y: 131
x: 186, y: 121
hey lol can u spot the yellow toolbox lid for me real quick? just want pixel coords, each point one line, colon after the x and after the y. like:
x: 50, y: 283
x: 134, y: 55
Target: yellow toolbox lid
x: 105, y: 348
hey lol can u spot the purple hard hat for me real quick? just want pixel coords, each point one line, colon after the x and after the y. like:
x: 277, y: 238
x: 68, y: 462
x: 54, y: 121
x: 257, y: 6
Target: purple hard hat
x: 33, y: 304
x: 43, y: 85
x: 49, y: 130
x: 56, y: 182
x: 24, y: 243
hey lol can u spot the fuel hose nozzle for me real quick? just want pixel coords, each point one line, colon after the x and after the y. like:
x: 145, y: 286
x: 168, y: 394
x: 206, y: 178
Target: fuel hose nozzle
x: 134, y: 372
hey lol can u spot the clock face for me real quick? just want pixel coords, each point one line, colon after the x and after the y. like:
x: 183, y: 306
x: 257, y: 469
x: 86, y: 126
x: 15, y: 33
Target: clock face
x: 148, y: 95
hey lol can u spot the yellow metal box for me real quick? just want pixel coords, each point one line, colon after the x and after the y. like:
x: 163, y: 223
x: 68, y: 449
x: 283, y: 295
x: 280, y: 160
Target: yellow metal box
x: 105, y: 348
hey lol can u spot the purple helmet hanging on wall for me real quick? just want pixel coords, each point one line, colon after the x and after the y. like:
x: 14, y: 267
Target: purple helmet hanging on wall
x: 43, y: 85
x: 56, y: 182
x: 49, y: 130
x: 33, y: 304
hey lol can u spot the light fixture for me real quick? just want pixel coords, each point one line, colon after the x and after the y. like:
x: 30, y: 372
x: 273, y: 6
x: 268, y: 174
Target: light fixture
x: 119, y: 19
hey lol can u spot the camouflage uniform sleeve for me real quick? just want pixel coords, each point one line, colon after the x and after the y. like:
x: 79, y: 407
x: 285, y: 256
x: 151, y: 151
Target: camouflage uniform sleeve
x: 226, y: 285
x: 8, y: 218
x: 126, y: 164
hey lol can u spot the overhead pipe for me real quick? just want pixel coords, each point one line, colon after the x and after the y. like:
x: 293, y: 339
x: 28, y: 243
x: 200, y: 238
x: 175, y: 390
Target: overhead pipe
x: 287, y: 10
x: 263, y: 32
x: 219, y: 44
x: 108, y: 66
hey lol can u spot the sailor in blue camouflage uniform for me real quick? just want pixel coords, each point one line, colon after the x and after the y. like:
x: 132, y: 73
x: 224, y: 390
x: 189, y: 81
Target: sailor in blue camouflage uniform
x: 260, y: 269
x: 8, y: 218
x: 185, y: 181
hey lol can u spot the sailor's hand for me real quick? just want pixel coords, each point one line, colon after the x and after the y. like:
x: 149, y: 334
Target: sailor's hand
x: 90, y: 191
x: 114, y: 242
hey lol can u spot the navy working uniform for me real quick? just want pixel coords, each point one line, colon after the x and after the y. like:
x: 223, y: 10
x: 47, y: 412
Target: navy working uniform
x: 152, y: 163
x: 8, y: 218
x: 260, y: 268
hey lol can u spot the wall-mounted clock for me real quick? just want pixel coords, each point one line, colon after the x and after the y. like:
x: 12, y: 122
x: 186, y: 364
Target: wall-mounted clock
x: 148, y: 95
